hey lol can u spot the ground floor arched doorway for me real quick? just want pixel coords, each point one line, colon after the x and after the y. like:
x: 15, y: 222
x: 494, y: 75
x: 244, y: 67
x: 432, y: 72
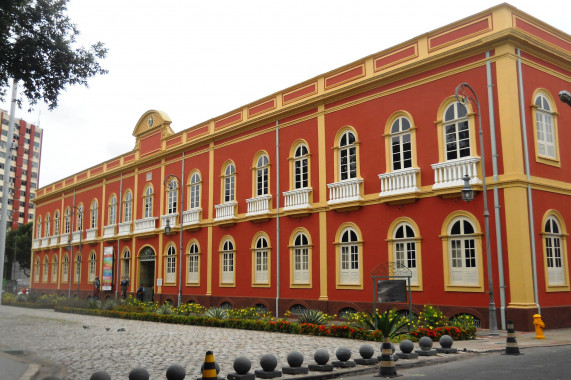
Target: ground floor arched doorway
x: 147, y: 271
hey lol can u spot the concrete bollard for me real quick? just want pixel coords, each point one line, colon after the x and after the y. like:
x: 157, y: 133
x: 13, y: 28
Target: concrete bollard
x: 343, y: 355
x: 321, y: 358
x: 406, y: 348
x: 139, y: 373
x: 241, y: 365
x: 100, y: 375
x: 511, y: 343
x: 366, y: 351
x: 446, y: 342
x: 425, y: 344
x: 176, y: 372
x: 295, y: 361
x: 268, y: 362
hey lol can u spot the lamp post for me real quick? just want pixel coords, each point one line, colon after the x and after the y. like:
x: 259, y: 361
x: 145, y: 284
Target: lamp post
x: 468, y: 195
x: 166, y: 181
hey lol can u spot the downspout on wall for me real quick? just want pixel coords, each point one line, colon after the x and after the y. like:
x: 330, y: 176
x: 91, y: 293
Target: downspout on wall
x: 527, y: 172
x: 497, y: 219
x: 277, y: 217
x: 119, y: 212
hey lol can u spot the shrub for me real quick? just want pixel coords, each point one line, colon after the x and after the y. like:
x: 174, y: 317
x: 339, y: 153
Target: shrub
x: 431, y: 317
x: 189, y: 309
x: 249, y: 313
x: 93, y: 304
x: 164, y: 309
x: 312, y: 316
x: 217, y: 313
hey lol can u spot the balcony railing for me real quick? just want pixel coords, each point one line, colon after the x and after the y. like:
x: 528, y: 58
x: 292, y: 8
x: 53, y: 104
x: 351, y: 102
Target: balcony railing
x: 171, y: 218
x: 54, y: 240
x: 225, y: 211
x: 76, y: 236
x: 124, y: 228
x: 399, y: 182
x: 450, y: 173
x: 191, y: 216
x: 90, y: 234
x: 109, y: 231
x: 145, y: 225
x: 45, y: 242
x: 259, y: 205
x: 36, y: 243
x: 297, y: 199
x: 345, y: 191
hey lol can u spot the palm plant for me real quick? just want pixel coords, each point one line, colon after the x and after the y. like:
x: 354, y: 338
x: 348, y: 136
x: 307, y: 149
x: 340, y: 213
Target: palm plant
x: 217, y: 312
x: 315, y: 317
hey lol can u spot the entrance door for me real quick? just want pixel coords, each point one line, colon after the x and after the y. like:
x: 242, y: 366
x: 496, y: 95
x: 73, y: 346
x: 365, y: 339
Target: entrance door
x: 147, y: 271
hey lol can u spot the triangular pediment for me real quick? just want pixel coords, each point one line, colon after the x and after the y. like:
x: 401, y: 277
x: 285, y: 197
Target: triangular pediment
x: 152, y: 121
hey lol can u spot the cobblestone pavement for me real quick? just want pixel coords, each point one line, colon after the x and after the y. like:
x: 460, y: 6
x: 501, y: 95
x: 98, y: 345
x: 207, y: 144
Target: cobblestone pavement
x: 85, y: 344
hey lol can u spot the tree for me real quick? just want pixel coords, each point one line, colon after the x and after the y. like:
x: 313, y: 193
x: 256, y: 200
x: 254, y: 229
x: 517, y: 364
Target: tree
x: 18, y: 248
x: 38, y: 48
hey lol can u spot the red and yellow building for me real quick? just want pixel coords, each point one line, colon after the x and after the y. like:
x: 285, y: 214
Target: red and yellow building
x: 295, y: 200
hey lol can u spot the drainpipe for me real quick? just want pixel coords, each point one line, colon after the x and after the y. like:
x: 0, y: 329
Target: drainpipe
x: 119, y: 212
x: 277, y: 217
x: 527, y: 172
x: 497, y: 219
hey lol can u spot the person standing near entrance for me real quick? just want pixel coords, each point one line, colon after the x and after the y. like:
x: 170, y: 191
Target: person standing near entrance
x: 124, y: 285
x: 141, y: 292
x: 96, y: 287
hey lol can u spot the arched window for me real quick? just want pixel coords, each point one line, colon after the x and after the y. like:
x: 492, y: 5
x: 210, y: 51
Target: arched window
x: 56, y: 223
x: 172, y: 197
x: 405, y: 251
x: 79, y: 218
x: 301, y: 167
x: 170, y: 276
x: 195, y: 191
x: 77, y: 274
x: 46, y: 269
x: 301, y: 256
x: 37, y: 270
x: 67, y: 220
x: 92, y: 266
x: 65, y: 268
x: 456, y: 131
x: 262, y: 171
x: 193, y: 264
x: 347, y: 156
x: 349, y: 258
x: 227, y: 262
x: 148, y: 201
x: 555, y: 252
x: 125, y: 265
x: 39, y: 228
x: 112, y: 210
x: 463, y: 255
x: 94, y: 216
x: 128, y: 207
x: 261, y: 261
x: 401, y: 144
x: 229, y: 183
x: 48, y: 222
x: 54, y: 269
x: 545, y: 127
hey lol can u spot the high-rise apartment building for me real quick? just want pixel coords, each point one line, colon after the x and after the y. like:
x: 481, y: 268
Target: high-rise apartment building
x: 25, y: 153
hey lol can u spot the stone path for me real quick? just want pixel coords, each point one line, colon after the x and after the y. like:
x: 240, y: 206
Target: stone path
x: 61, y: 338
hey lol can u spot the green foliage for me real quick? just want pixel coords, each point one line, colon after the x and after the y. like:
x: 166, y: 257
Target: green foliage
x: 189, y: 309
x: 249, y: 313
x: 164, y: 309
x: 18, y: 247
x: 388, y: 323
x: 315, y: 317
x: 93, y: 304
x: 108, y: 304
x: 8, y: 298
x: 217, y: 313
x: 38, y: 47
x: 431, y: 317
x: 463, y: 320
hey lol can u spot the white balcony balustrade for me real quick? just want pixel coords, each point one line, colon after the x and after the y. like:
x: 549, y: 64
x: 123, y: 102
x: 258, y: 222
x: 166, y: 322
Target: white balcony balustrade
x: 124, y: 229
x: 36, y: 243
x: 145, y: 225
x: 171, y: 218
x: 45, y: 242
x: 191, y: 216
x: 76, y: 237
x: 451, y: 173
x: 399, y: 182
x: 259, y: 205
x: 54, y: 240
x: 109, y: 231
x: 297, y: 199
x: 345, y: 191
x: 225, y: 211
x: 91, y: 234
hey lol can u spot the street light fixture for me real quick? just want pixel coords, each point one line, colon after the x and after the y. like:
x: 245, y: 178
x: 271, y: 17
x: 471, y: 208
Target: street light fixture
x: 565, y: 97
x: 468, y: 195
x: 167, y: 179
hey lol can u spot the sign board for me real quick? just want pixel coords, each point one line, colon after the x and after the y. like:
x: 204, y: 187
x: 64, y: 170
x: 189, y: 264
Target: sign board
x: 159, y: 282
x: 107, y: 277
x: 391, y: 290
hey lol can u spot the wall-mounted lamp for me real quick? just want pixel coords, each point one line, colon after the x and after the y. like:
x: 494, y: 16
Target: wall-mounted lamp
x: 168, y: 227
x: 565, y: 97
x: 467, y: 192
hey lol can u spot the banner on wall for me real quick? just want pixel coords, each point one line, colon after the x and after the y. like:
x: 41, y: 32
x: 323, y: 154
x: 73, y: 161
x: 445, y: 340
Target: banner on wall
x: 107, y: 277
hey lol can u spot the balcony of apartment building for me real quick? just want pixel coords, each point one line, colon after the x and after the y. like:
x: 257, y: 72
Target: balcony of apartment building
x: 109, y: 231
x: 345, y: 191
x: 450, y: 174
x: 145, y: 225
x: 76, y: 236
x: 171, y: 219
x: 45, y: 242
x: 225, y: 211
x: 191, y: 217
x: 124, y: 228
x: 297, y: 199
x: 259, y: 206
x: 400, y: 183
x: 54, y: 240
x: 90, y: 234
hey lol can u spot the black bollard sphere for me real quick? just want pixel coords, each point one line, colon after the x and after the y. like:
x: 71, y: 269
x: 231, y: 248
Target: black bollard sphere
x: 366, y: 351
x: 176, y: 372
x: 321, y: 356
x: 100, y: 375
x: 268, y: 362
x: 139, y: 373
x: 295, y: 359
x: 242, y: 365
x: 51, y: 377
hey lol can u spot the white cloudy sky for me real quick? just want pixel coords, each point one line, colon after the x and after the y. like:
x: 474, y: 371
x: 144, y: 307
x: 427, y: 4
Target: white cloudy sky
x: 196, y: 60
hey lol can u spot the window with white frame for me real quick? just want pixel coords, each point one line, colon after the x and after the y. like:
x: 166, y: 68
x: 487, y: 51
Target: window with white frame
x: 456, y: 131
x: 228, y: 262
x: 67, y: 220
x: 554, y: 257
x: 54, y: 269
x: 545, y: 127
x: 92, y: 266
x: 39, y: 228
x: 125, y: 265
x: 405, y: 250
x: 349, y: 251
x: 56, y: 223
x: 301, y: 259
x: 79, y: 218
x: 462, y: 250
x: 193, y: 268
x: 170, y: 264
x: 300, y: 167
x: 46, y: 269
x: 113, y: 210
x: 172, y: 197
x: 401, y: 145
x: 229, y: 182
x: 262, y: 170
x: 65, y: 268
x: 148, y: 202
x: 128, y: 207
x: 261, y: 261
x: 347, y: 156
x: 77, y: 273
x: 195, y: 191
x: 48, y: 223
x: 93, y: 220
x: 37, y: 270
